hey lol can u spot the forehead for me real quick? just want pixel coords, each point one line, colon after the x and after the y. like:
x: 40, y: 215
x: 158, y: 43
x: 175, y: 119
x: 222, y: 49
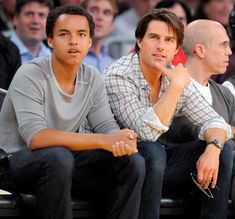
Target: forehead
x: 159, y: 28
x: 100, y: 3
x: 34, y: 6
x: 71, y: 22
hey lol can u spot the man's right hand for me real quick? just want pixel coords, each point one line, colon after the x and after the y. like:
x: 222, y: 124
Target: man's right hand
x: 177, y: 76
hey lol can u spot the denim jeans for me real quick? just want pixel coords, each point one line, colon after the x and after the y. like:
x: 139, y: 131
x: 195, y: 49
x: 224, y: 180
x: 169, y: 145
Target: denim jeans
x: 168, y: 171
x: 52, y: 173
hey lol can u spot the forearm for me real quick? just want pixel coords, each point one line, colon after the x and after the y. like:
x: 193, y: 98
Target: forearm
x: 212, y: 133
x: 166, y: 105
x: 233, y: 130
x: 73, y: 141
x: 80, y: 141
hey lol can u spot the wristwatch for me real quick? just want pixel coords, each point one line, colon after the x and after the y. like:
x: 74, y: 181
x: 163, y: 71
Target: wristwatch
x: 217, y: 142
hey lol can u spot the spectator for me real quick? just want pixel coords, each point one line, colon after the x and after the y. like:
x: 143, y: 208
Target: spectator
x: 183, y: 13
x: 214, y: 10
x: 218, y: 11
x: 10, y: 61
x: 206, y: 45
x: 103, y: 13
x: 47, y: 101
x: 229, y: 79
x: 124, y: 26
x: 30, y: 21
x: 7, y: 10
x: 145, y: 96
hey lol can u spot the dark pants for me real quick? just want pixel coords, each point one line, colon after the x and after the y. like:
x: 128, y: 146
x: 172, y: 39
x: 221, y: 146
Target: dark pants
x: 52, y: 173
x: 168, y: 171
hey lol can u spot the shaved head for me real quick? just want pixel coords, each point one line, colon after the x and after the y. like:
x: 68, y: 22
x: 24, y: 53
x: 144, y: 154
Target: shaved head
x: 200, y: 32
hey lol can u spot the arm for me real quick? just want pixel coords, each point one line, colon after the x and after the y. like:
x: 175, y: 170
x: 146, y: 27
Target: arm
x: 166, y: 105
x: 38, y: 125
x: 131, y: 104
x: 233, y: 130
x: 77, y: 141
x: 208, y: 163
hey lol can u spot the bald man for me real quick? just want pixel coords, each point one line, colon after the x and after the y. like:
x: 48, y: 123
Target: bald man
x: 206, y: 45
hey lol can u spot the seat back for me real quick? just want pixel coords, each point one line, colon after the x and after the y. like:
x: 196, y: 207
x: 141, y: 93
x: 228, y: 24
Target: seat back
x: 2, y: 96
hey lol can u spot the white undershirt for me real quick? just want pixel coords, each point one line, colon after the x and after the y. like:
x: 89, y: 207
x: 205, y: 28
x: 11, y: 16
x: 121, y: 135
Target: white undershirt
x: 204, y: 90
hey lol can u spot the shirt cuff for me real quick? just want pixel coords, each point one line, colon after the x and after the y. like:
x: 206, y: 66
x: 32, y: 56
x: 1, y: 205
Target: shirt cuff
x: 216, y: 124
x: 151, y: 119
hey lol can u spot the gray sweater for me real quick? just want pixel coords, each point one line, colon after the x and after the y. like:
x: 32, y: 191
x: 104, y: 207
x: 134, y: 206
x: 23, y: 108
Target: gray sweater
x: 35, y: 102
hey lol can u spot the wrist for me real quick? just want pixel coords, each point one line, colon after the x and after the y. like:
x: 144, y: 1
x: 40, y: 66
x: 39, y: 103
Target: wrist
x: 217, y: 143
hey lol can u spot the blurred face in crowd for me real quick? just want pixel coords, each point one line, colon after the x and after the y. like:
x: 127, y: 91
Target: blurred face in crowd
x: 179, y: 12
x: 143, y: 6
x: 31, y: 23
x: 219, y: 10
x: 102, y: 12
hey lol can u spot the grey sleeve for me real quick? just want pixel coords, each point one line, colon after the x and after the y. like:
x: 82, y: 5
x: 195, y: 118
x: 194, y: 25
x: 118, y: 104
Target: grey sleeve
x: 100, y: 117
x: 27, y: 97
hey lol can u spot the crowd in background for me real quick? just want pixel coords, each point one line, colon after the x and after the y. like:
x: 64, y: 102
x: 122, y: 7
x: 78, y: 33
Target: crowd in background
x: 114, y: 33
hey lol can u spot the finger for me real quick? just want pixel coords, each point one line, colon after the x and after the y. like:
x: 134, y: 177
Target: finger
x: 122, y: 148
x: 162, y: 68
x: 208, y: 180
x: 214, y: 181
x: 114, y: 150
x: 130, y: 150
x: 118, y: 151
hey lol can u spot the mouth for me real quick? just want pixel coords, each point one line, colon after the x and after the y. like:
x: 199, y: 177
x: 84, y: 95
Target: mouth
x: 73, y: 51
x: 159, y: 56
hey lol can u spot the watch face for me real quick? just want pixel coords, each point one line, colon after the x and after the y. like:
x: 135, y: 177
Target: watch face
x: 217, y: 142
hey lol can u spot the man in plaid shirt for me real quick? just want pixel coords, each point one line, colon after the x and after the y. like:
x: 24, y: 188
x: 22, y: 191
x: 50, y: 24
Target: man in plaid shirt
x: 145, y: 93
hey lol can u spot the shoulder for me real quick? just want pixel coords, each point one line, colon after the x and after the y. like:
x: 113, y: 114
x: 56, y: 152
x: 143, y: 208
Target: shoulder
x: 122, y: 66
x: 34, y: 70
x: 89, y: 74
x: 223, y: 90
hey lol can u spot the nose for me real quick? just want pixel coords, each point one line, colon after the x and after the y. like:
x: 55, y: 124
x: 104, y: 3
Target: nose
x: 73, y: 40
x: 229, y: 52
x: 160, y: 45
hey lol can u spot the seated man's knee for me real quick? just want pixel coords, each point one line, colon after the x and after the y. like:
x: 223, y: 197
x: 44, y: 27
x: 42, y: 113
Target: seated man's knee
x: 60, y: 160
x: 134, y: 165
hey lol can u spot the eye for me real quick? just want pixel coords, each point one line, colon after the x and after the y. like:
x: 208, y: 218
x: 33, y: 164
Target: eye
x: 63, y: 34
x: 152, y: 37
x: 108, y: 13
x: 82, y: 34
x: 29, y: 14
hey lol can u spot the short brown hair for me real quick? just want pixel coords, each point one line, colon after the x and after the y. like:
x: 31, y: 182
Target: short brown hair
x: 163, y: 15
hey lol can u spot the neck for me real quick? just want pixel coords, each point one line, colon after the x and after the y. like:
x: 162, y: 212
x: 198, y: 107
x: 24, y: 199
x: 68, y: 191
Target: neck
x: 151, y: 74
x: 65, y: 74
x: 96, y: 46
x: 33, y: 46
x: 198, y: 72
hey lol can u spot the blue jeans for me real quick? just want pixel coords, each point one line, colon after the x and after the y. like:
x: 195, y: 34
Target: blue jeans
x: 52, y: 173
x: 168, y: 170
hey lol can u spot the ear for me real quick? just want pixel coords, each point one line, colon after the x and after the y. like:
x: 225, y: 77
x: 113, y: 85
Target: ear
x: 90, y: 42
x: 15, y: 21
x: 139, y: 43
x: 50, y: 42
x: 200, y: 50
x: 177, y: 50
